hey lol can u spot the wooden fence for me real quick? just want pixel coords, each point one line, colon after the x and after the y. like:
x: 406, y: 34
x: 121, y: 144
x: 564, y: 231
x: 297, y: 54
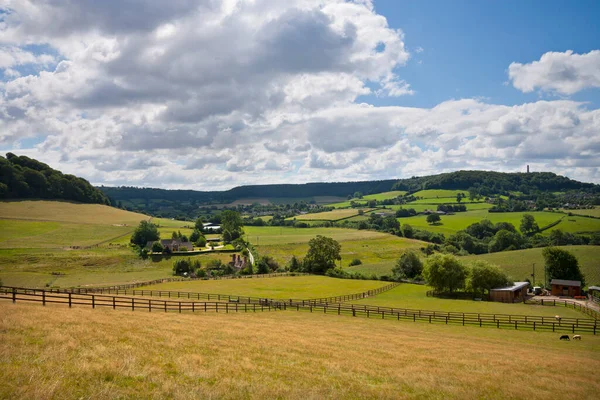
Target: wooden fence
x: 567, y: 303
x: 527, y: 322
x: 132, y: 303
x: 225, y: 297
x: 99, y: 289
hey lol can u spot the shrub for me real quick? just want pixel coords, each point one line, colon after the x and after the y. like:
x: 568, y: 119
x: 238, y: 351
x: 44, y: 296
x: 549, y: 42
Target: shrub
x: 355, y: 261
x: 157, y: 247
x: 408, y: 265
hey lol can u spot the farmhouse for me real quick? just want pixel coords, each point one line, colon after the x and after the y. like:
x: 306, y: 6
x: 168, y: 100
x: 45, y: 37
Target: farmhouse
x: 562, y: 287
x: 173, y: 245
x: 510, y: 294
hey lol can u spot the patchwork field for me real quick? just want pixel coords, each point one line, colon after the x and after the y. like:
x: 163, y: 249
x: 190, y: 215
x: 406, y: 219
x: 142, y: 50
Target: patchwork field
x: 453, y: 223
x: 379, y: 197
x: 286, y: 287
x: 594, y: 212
x: 414, y: 297
x: 51, y: 352
x: 439, y: 193
x: 372, y: 248
x: 333, y: 215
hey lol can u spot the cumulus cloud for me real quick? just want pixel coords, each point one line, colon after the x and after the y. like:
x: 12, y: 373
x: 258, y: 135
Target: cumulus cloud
x: 209, y: 95
x: 564, y: 73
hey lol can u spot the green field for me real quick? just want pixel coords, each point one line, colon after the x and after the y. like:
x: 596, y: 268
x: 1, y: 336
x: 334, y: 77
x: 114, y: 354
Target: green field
x: 437, y: 193
x: 372, y: 248
x: 519, y: 263
x: 418, y: 207
x: 286, y: 287
x: 594, y: 212
x: 379, y: 197
x: 451, y: 224
x: 414, y: 297
x: 333, y: 215
x: 98, y: 266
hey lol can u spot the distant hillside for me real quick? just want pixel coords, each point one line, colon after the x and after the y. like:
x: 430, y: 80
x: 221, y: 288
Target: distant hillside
x: 25, y: 178
x: 184, y: 203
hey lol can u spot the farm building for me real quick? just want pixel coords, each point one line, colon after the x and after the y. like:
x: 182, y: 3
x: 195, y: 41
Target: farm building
x: 173, y: 245
x: 510, y: 294
x: 562, y: 287
x: 594, y: 291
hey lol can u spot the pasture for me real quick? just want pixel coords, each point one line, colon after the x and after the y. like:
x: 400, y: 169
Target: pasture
x: 51, y: 352
x: 285, y: 287
x: 414, y: 297
x: 60, y: 211
x: 333, y: 215
x: 379, y: 197
x: 451, y: 224
x: 594, y: 212
x: 372, y: 248
x: 519, y: 263
x: 92, y: 267
x: 439, y: 193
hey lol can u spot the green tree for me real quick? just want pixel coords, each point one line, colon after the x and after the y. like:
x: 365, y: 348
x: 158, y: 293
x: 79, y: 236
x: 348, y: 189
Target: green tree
x: 231, y: 221
x: 528, y: 224
x: 485, y: 276
x: 157, y: 247
x: 322, y: 254
x: 408, y: 266
x: 144, y: 233
x: 562, y: 264
x: 505, y: 240
x: 444, y: 272
x: 358, y: 195
x: 433, y: 218
x: 407, y: 231
x: 459, y: 197
x: 198, y: 225
x: 294, y: 264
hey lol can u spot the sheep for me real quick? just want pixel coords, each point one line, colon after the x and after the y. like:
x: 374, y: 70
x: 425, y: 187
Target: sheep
x: 557, y: 317
x: 565, y: 337
x: 576, y: 337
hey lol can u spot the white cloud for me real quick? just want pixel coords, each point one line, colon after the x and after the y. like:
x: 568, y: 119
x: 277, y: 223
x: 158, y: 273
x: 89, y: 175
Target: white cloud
x: 564, y: 73
x: 209, y: 95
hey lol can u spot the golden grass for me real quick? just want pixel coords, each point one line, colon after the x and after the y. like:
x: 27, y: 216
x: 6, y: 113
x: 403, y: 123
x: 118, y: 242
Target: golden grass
x: 59, y: 211
x: 55, y: 352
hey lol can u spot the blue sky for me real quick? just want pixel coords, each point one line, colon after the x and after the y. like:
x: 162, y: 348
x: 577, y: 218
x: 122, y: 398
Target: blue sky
x: 211, y: 95
x: 468, y: 45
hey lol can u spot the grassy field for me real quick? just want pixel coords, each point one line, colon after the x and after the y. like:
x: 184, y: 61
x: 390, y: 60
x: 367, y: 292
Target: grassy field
x: 372, y: 248
x: 333, y: 215
x: 422, y: 207
x: 286, y: 287
x: 379, y: 197
x: 99, y: 266
x: 453, y: 223
x: 519, y: 264
x: 414, y: 297
x: 68, y: 212
x: 51, y: 353
x: 437, y: 193
x: 594, y: 212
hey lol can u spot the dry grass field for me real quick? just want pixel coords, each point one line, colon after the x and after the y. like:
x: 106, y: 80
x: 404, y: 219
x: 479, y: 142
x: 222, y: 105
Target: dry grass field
x: 53, y: 353
x: 60, y: 211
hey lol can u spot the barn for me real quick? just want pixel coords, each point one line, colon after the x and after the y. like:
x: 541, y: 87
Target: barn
x: 510, y: 294
x: 563, y: 287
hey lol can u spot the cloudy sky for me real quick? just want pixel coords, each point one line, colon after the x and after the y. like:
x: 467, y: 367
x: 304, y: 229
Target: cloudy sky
x: 208, y: 94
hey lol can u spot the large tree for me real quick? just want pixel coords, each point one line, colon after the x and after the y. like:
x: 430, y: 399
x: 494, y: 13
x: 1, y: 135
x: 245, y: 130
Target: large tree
x: 409, y: 265
x: 322, y: 254
x: 485, y: 276
x: 433, y: 218
x: 528, y: 224
x: 144, y: 233
x: 562, y: 264
x: 445, y: 272
x: 231, y: 222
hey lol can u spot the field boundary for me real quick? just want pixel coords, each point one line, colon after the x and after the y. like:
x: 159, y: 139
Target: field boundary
x: 233, y: 298
x: 499, y: 321
x: 567, y: 303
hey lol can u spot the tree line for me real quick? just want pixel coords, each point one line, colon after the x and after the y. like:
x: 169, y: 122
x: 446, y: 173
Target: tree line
x: 22, y: 177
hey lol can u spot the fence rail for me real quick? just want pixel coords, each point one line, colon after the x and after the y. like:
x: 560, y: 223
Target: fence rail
x: 225, y: 297
x: 567, y: 303
x: 527, y: 322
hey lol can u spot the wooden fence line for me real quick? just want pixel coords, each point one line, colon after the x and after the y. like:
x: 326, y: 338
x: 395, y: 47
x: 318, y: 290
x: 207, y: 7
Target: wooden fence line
x: 181, y: 279
x: 498, y: 320
x: 225, y: 297
x: 567, y: 303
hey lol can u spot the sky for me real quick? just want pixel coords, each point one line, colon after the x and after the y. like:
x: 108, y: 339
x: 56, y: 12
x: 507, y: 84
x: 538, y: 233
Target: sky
x: 209, y: 95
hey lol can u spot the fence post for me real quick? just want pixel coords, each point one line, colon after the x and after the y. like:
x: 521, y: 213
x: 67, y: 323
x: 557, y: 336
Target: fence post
x: 44, y: 298
x: 132, y: 304
x: 93, y: 301
x: 534, y: 325
x: 180, y: 307
x: 69, y: 300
